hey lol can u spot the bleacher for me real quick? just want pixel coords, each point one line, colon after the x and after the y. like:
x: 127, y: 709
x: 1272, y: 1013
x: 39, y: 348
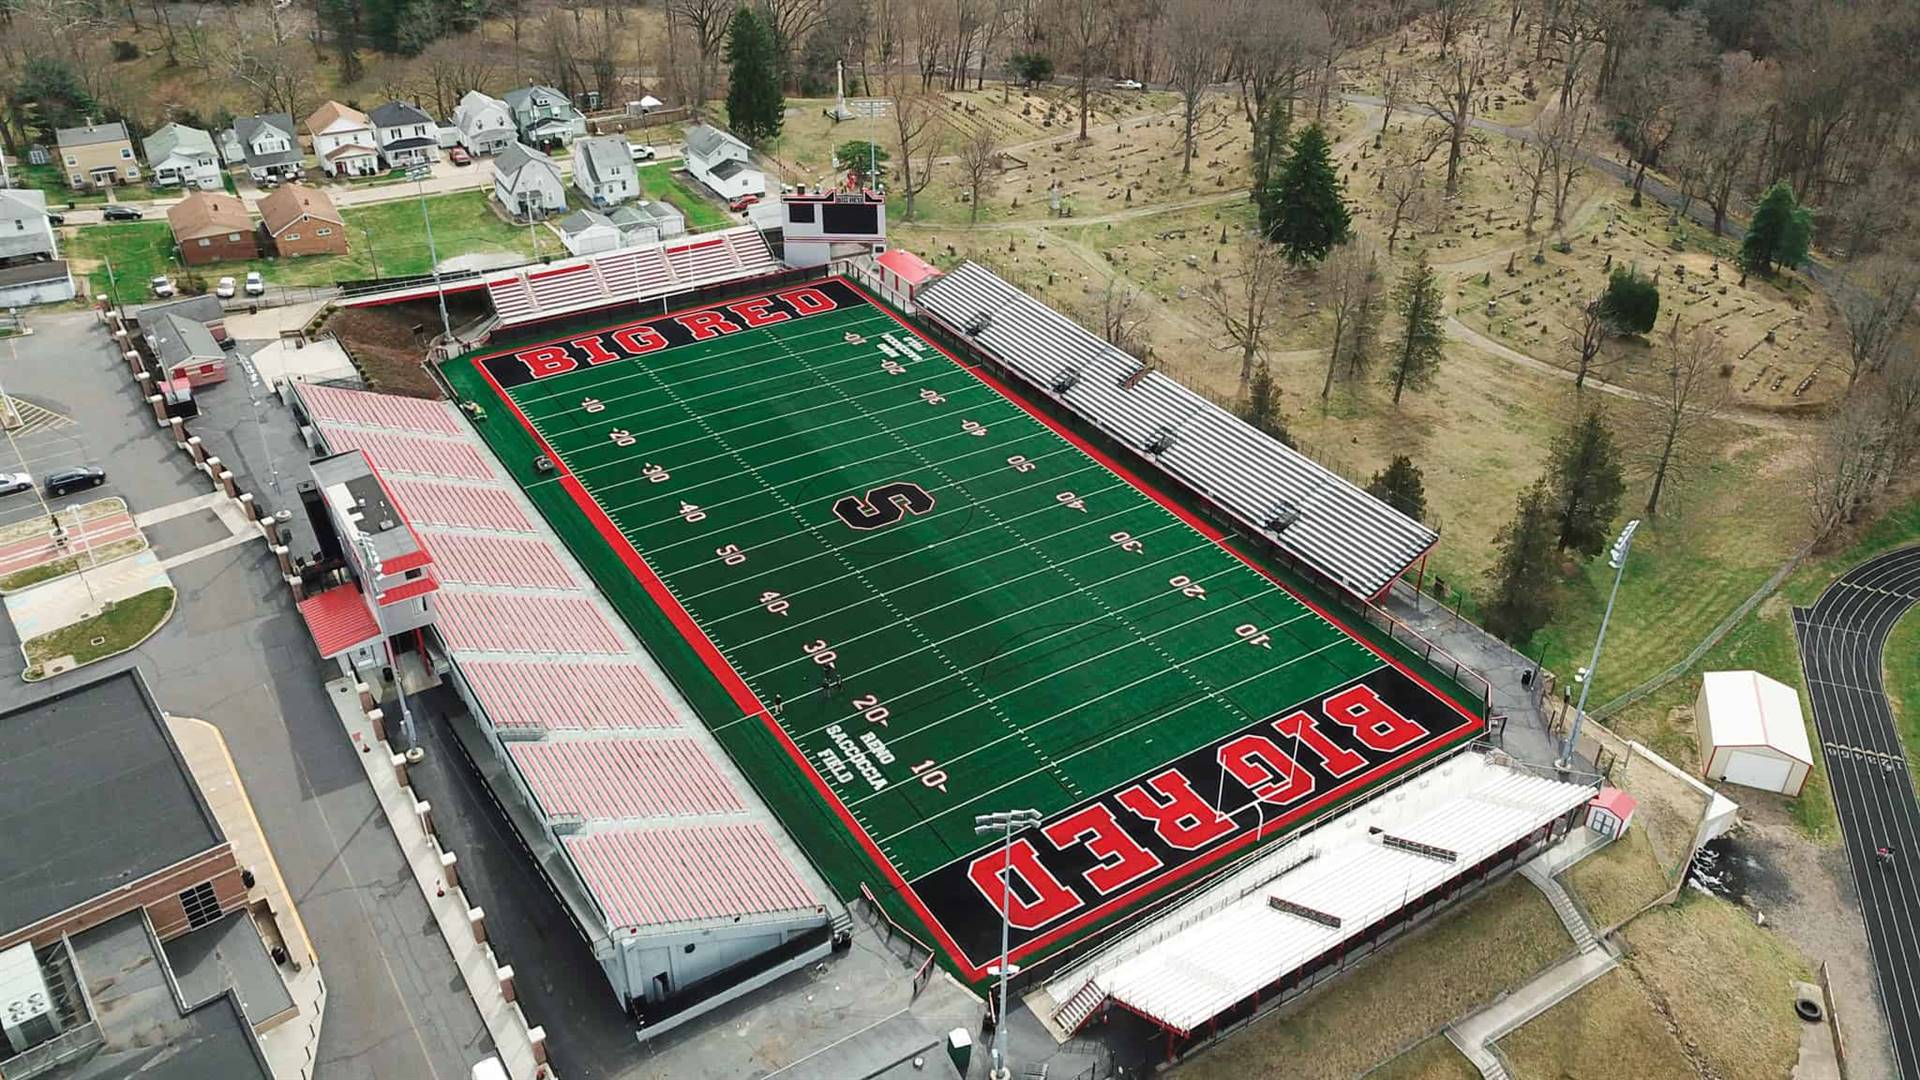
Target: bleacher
x: 530, y: 293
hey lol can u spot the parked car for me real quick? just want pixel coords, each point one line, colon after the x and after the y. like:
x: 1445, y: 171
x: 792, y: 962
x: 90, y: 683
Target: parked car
x: 56, y: 219
x: 225, y: 289
x: 256, y: 285
x: 743, y: 202
x: 459, y: 156
x: 15, y: 483
x: 162, y: 286
x: 118, y: 212
x: 640, y: 152
x: 67, y: 481
x: 1127, y: 84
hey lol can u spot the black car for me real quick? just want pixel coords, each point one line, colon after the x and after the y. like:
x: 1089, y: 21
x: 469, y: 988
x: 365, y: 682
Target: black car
x: 117, y: 212
x: 56, y: 219
x: 68, y: 481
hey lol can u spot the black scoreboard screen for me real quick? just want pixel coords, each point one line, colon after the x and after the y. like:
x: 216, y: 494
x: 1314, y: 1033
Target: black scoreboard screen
x: 849, y: 219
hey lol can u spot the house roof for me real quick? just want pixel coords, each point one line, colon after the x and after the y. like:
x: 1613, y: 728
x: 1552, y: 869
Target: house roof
x: 247, y: 127
x: 474, y: 105
x: 177, y: 138
x: 1746, y: 708
x: 909, y: 267
x: 537, y: 95
x: 332, y: 113
x: 644, y: 212
x: 28, y: 206
x: 286, y: 204
x: 731, y: 168
x: 397, y: 113
x: 91, y: 135
x: 33, y: 273
x: 602, y: 158
x: 94, y: 795
x: 704, y: 139
x: 200, y: 309
x: 517, y: 157
x: 581, y: 220
x: 208, y: 213
x: 1615, y: 801
x: 176, y: 339
x: 347, y: 150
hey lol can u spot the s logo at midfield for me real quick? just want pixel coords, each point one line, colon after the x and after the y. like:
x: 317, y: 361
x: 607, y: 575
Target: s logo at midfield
x: 883, y: 505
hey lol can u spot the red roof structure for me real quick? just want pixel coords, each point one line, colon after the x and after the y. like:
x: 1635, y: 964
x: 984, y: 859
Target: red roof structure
x: 907, y: 266
x: 339, y: 620
x: 1616, y: 802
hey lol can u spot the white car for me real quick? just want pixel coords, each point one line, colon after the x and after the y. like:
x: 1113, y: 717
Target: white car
x: 15, y: 483
x: 225, y: 289
x: 256, y: 285
x: 1127, y: 84
x: 162, y: 286
x: 640, y: 152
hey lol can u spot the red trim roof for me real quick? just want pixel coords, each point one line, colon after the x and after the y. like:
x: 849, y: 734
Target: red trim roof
x: 1616, y: 802
x: 906, y: 265
x: 407, y: 590
x: 339, y: 620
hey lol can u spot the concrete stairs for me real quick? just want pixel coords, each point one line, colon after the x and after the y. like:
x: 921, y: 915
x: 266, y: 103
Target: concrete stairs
x: 1563, y: 905
x: 1079, y: 1007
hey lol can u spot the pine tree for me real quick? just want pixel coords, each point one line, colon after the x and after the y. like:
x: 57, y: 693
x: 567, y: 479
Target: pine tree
x: 1779, y: 233
x: 1269, y: 156
x: 1587, y: 484
x: 1523, y: 576
x: 1308, y: 216
x: 1402, y: 486
x: 755, y: 107
x: 1262, y: 409
x: 1423, y: 331
x: 1631, y: 304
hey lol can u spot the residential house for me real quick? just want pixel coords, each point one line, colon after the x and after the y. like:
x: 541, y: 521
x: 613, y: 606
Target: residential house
x: 603, y: 170
x: 484, y: 123
x: 587, y: 232
x: 723, y: 163
x: 343, y: 141
x: 647, y: 222
x: 272, y: 148
x: 407, y: 135
x: 96, y: 156
x: 544, y: 117
x: 31, y: 269
x: 178, y: 154
x: 212, y: 227
x: 528, y: 183
x: 232, y: 153
x: 299, y: 220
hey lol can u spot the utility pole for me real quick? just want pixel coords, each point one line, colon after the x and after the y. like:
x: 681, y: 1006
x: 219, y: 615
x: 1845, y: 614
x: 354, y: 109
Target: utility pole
x: 371, y: 254
x: 1004, y: 823
x: 1617, y: 560
x: 418, y: 174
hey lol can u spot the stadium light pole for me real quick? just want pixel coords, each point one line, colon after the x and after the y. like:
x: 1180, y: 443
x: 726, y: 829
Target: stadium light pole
x: 1617, y: 560
x: 418, y: 174
x: 1004, y: 824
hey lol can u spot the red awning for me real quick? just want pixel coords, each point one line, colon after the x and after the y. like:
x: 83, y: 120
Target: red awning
x: 339, y: 620
x: 907, y: 266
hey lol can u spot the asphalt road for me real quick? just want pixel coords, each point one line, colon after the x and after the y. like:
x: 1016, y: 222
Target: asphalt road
x: 1842, y: 637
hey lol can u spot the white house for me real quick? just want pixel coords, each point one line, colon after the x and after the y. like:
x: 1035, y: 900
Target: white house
x: 647, y: 222
x: 272, y: 149
x: 528, y: 183
x: 603, y: 170
x: 31, y: 269
x: 178, y: 154
x: 586, y: 232
x: 343, y: 140
x: 485, y: 125
x: 544, y: 116
x: 406, y: 134
x: 723, y: 163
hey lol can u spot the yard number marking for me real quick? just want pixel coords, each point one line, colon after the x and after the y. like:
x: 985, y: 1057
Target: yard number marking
x: 817, y: 649
x: 875, y: 712
x: 1127, y: 542
x: 1253, y: 635
x: 774, y: 602
x: 654, y: 473
x: 1021, y: 464
x: 932, y: 397
x: 731, y: 554
x: 594, y: 405
x: 855, y: 339
x: 691, y: 514
x: 931, y: 776
x: 893, y: 367
x: 1188, y: 586
x: 621, y: 437
x: 1071, y: 501
x: 973, y: 427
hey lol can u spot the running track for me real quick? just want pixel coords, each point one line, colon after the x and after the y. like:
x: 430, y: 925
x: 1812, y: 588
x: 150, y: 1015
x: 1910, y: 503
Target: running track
x: 1841, y: 639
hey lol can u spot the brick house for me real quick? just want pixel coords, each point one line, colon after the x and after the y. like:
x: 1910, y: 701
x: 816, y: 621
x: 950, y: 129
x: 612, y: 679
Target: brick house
x: 212, y: 227
x: 299, y: 220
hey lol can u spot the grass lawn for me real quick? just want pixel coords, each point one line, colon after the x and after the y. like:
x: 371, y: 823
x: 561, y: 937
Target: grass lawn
x: 1902, y: 663
x: 48, y: 179
x: 1618, y: 880
x: 1435, y: 1059
x: 659, y: 182
x: 55, y: 568
x: 119, y: 627
x: 1400, y: 998
x: 1607, y: 1030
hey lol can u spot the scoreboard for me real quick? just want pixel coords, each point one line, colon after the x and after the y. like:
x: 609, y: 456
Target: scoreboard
x: 822, y: 225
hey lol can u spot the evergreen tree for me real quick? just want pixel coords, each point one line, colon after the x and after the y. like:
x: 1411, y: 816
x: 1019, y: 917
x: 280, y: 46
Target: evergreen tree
x: 755, y: 106
x: 1269, y: 154
x: 1402, y: 486
x: 869, y: 159
x: 1262, y: 409
x: 345, y: 20
x: 1779, y: 233
x: 51, y: 93
x: 1523, y: 576
x: 1631, y: 304
x: 1307, y: 216
x: 1417, y: 356
x: 1587, y: 484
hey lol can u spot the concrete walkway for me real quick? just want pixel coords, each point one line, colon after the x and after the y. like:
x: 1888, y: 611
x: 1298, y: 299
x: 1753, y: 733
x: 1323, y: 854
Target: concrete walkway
x: 1474, y: 1034
x: 46, y: 608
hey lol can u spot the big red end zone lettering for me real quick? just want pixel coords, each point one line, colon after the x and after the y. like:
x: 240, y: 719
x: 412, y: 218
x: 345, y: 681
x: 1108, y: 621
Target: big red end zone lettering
x: 1108, y: 852
x: 638, y: 339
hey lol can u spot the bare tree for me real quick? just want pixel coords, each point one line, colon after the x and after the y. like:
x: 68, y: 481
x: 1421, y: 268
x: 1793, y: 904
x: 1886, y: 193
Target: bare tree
x: 1847, y: 465
x: 1875, y: 297
x: 1118, y: 313
x: 1354, y: 284
x: 1590, y: 327
x: 1720, y: 132
x: 452, y: 66
x: 1410, y: 199
x: 1247, y: 298
x: 1661, y: 69
x: 1195, y: 41
x: 1898, y: 387
x: 705, y: 23
x: 279, y: 75
x: 1084, y: 28
x: 1559, y: 140
x: 980, y: 162
x: 1448, y: 95
x: 919, y: 125
x: 1692, y: 394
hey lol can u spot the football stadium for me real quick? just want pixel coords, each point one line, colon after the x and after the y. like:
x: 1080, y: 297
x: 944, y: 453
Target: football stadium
x: 866, y: 551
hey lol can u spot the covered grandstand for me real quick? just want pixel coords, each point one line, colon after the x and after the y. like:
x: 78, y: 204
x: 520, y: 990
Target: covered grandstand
x: 687, y: 890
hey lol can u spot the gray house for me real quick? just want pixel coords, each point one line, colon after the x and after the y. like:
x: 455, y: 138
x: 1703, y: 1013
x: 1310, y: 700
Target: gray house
x: 647, y: 222
x: 544, y: 116
x: 406, y: 134
x: 271, y: 147
x: 586, y: 232
x: 603, y: 170
x: 178, y: 154
x: 31, y: 270
x: 528, y: 183
x: 484, y: 123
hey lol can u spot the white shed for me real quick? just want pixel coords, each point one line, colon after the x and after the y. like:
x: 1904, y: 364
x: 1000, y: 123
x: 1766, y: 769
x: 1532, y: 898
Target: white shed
x: 1752, y: 733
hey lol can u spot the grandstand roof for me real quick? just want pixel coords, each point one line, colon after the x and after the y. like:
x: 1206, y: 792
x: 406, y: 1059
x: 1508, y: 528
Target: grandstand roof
x: 1234, y: 942
x: 657, y: 823
x: 1310, y: 512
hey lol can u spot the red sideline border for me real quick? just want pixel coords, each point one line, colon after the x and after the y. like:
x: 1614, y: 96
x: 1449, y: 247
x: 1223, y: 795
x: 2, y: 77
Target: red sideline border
x: 751, y: 705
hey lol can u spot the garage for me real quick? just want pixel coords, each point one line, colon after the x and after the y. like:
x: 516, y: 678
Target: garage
x: 1752, y: 732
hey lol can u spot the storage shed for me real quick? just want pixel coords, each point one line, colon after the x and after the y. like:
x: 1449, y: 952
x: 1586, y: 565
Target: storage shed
x: 1752, y: 733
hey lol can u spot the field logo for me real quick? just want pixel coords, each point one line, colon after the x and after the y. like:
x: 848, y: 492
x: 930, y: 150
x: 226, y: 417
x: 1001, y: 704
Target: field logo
x: 885, y: 505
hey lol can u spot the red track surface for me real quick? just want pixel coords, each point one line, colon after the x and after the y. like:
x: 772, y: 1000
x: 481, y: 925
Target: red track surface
x: 19, y: 555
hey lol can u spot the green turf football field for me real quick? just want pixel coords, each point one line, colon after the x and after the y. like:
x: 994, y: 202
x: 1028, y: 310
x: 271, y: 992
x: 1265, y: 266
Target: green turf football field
x: 944, y: 604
